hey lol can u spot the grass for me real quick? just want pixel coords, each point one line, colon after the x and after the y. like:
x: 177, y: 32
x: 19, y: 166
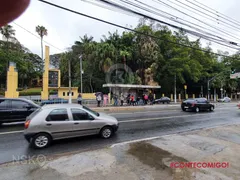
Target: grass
x: 32, y: 90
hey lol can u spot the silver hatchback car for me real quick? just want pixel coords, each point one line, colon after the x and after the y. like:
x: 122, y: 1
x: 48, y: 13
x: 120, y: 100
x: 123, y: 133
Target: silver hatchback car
x: 59, y: 121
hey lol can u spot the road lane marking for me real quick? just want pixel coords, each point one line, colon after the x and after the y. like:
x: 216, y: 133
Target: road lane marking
x: 11, y: 132
x: 159, y: 118
x: 160, y: 111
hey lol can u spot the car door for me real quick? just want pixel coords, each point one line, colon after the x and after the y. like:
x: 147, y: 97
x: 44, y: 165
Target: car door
x: 5, y: 110
x: 20, y: 110
x: 83, y: 122
x: 205, y: 104
x: 58, y: 124
x: 200, y: 104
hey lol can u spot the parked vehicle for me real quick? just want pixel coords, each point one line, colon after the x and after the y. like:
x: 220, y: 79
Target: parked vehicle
x: 162, y: 100
x: 59, y: 121
x: 197, y: 104
x: 238, y: 106
x: 54, y: 101
x: 15, y: 109
x: 225, y: 99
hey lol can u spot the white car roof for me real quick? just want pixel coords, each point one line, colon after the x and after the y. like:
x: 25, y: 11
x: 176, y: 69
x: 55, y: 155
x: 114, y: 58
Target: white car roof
x: 52, y: 106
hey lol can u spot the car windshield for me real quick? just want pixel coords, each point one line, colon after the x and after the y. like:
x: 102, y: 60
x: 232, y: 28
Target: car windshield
x: 91, y: 111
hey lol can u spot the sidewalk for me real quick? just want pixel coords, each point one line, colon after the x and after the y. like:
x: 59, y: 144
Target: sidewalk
x: 135, y: 108
x: 141, y: 160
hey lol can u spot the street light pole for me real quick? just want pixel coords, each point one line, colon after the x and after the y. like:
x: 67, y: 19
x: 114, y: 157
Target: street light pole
x: 175, y: 89
x: 208, y: 89
x: 70, y: 82
x: 80, y: 57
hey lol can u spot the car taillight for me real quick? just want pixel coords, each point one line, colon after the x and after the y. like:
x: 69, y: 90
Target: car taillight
x: 193, y: 105
x: 26, y: 125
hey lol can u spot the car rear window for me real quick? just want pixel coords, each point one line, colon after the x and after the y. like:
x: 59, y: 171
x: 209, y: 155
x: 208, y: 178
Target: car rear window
x: 190, y: 100
x: 34, y: 113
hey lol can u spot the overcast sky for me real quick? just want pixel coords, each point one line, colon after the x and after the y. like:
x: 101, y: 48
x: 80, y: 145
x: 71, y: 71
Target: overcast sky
x: 64, y: 28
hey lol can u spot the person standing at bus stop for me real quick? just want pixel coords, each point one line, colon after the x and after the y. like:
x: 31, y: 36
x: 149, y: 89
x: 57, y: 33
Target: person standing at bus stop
x: 99, y: 99
x: 79, y: 99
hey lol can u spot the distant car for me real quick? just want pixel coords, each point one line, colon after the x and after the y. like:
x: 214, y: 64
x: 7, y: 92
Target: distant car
x: 54, y: 101
x: 225, y: 99
x: 59, y: 121
x: 197, y: 104
x: 15, y: 109
x: 162, y: 100
x: 238, y: 106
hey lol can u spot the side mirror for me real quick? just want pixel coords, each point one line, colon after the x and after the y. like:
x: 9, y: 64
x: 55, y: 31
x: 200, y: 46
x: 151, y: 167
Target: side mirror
x: 28, y: 106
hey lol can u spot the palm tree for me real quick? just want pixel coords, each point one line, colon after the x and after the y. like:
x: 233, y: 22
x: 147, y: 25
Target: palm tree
x: 42, y: 31
x: 8, y: 33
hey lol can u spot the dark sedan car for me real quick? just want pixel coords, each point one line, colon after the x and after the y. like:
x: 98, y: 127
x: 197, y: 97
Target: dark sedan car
x: 15, y: 109
x: 162, y: 100
x: 197, y: 104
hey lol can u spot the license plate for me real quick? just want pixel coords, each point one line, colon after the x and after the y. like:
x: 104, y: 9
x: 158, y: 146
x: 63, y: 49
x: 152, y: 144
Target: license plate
x: 185, y: 107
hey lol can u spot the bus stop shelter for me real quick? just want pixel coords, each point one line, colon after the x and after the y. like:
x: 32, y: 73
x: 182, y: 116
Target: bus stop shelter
x: 126, y: 89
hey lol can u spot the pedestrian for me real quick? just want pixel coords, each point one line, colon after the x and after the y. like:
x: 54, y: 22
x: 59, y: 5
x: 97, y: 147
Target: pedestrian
x: 146, y: 99
x: 128, y: 99
x: 122, y: 99
x: 79, y: 99
x: 151, y: 98
x: 105, y: 99
x: 99, y: 99
x: 115, y: 98
x: 132, y: 100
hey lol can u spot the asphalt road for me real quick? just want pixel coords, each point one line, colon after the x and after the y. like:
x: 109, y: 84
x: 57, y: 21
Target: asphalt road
x: 133, y: 125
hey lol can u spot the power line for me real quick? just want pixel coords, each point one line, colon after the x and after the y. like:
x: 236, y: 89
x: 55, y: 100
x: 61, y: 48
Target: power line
x: 145, y: 16
x: 195, y: 18
x: 202, y: 15
x: 217, y: 13
x: 37, y: 36
x: 218, y: 19
x: 126, y: 28
x: 195, y: 33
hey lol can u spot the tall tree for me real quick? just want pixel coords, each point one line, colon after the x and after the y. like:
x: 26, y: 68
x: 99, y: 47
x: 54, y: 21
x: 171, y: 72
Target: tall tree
x: 8, y: 32
x: 42, y: 31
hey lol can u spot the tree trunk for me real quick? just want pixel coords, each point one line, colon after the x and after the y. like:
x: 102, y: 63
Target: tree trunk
x: 90, y: 83
x: 42, y: 47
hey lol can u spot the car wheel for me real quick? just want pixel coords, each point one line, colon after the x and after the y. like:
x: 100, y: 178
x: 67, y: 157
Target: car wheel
x: 163, y: 102
x: 183, y: 109
x: 106, y: 132
x: 211, y: 108
x: 41, y: 140
x: 197, y: 109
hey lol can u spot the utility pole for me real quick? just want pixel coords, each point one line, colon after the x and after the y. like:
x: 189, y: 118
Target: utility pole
x: 175, y: 89
x: 208, y: 89
x: 80, y: 57
x: 70, y: 82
